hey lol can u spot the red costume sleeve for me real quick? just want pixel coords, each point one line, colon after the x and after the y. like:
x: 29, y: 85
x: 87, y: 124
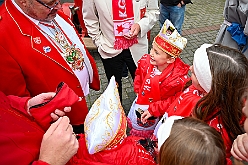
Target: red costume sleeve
x: 39, y: 162
x: 174, y: 90
x: 18, y: 103
x: 138, y: 74
x: 184, y: 104
x: 158, y: 108
x: 137, y: 82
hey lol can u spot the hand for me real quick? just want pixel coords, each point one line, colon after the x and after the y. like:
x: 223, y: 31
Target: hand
x: 59, y: 143
x: 43, y: 97
x: 180, y: 4
x: 133, y: 32
x: 240, y: 147
x: 145, y: 116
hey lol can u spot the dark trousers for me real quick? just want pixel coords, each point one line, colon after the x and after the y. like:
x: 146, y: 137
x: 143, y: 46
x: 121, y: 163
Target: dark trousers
x: 114, y: 66
x: 125, y: 71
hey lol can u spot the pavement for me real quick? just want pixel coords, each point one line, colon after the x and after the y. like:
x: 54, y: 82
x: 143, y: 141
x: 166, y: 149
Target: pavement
x: 202, y: 22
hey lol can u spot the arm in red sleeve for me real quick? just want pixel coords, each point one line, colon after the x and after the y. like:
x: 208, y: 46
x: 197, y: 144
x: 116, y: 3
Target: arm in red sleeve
x: 18, y: 103
x: 158, y: 108
x: 39, y: 162
x: 169, y: 92
x: 137, y: 80
x: 142, y: 67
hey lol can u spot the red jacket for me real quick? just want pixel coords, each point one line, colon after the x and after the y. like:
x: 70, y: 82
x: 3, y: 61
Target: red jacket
x: 217, y: 123
x: 170, y: 86
x: 185, y: 103
x: 20, y: 136
x: 128, y: 152
x: 25, y: 69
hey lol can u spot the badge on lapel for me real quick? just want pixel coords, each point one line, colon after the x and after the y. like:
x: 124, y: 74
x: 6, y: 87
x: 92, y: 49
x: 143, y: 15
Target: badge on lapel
x: 37, y: 40
x: 47, y: 49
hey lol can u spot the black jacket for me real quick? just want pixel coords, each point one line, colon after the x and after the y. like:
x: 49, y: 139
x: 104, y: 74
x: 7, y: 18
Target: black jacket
x: 173, y: 2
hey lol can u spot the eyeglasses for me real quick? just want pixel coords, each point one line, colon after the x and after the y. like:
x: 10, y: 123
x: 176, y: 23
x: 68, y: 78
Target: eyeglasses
x: 49, y: 7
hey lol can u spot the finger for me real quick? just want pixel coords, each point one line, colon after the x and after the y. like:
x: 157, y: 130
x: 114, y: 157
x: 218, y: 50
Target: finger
x: 59, y: 113
x: 131, y: 31
x: 235, y: 151
x: 67, y: 109
x: 69, y: 130
x: 54, y: 117
x: 234, y: 154
x: 142, y: 117
x: 53, y: 127
x: 48, y: 95
x: 127, y: 36
x: 75, y: 143
x: 242, y: 141
x: 136, y: 31
x: 144, y: 120
x: 64, y: 124
x: 238, y: 148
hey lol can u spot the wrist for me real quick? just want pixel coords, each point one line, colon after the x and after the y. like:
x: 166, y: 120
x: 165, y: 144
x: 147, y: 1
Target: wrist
x: 27, y: 106
x: 182, y: 3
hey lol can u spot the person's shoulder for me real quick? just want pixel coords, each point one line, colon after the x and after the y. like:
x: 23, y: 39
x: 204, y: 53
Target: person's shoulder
x: 144, y: 57
x: 191, y: 90
x: 181, y: 65
x: 61, y: 14
x: 3, y: 15
x: 144, y: 60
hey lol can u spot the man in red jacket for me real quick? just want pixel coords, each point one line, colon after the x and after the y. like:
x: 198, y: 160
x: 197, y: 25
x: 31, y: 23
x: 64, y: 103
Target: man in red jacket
x: 24, y: 136
x: 39, y: 48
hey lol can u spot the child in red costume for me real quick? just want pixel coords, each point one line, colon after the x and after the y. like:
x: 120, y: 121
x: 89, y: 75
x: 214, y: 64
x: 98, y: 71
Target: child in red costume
x: 105, y: 141
x: 221, y: 108
x: 201, y: 85
x: 159, y: 79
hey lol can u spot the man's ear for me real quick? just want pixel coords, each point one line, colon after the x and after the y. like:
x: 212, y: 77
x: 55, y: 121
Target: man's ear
x: 171, y: 60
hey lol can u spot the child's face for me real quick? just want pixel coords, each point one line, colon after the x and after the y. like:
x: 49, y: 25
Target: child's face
x: 245, y: 111
x: 159, y: 58
x: 194, y: 80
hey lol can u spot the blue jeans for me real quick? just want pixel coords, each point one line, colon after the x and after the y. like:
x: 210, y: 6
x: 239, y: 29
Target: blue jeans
x: 173, y: 13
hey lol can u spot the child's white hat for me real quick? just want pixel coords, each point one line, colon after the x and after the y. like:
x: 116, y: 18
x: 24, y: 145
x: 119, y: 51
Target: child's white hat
x: 105, y: 124
x: 164, y: 129
x: 202, y: 68
x: 169, y: 40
